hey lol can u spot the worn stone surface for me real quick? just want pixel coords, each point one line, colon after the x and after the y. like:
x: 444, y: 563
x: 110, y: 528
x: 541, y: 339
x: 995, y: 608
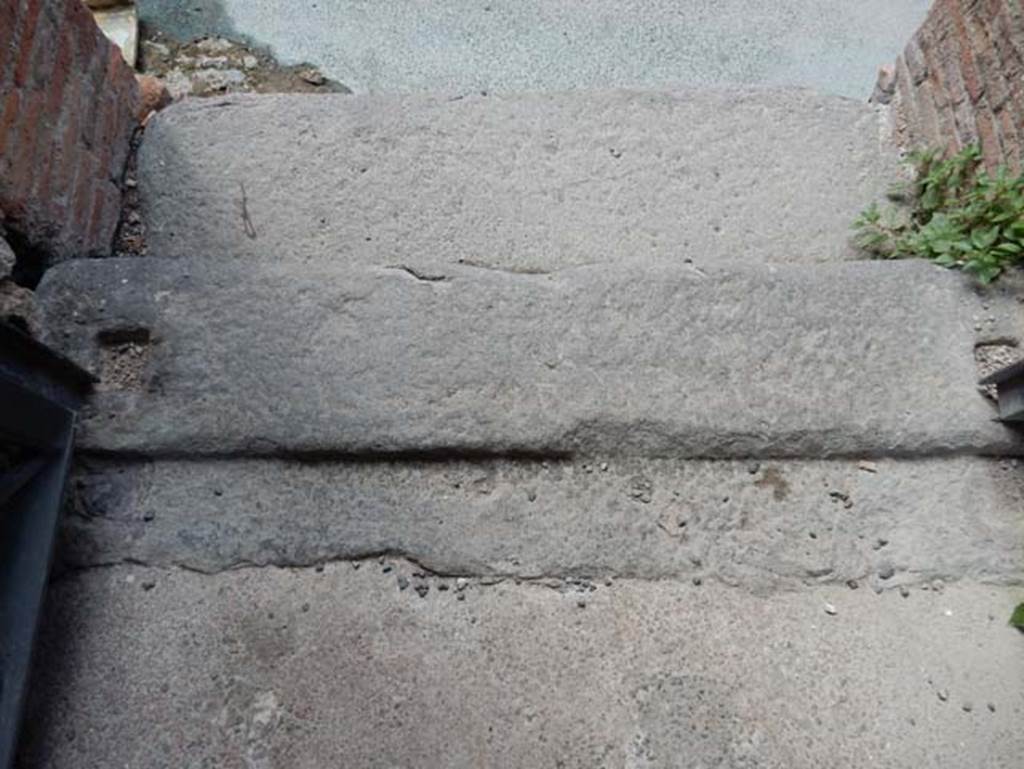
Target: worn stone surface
x: 528, y: 182
x: 531, y: 45
x: 640, y: 360
x: 268, y: 668
x: 779, y: 524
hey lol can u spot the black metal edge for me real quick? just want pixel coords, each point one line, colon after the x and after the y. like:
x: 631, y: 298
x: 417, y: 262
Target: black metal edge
x: 29, y: 417
x: 1004, y: 374
x: 29, y: 526
x: 15, y: 342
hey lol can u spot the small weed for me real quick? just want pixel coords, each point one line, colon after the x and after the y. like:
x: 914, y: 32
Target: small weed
x: 955, y: 213
x: 1017, y: 620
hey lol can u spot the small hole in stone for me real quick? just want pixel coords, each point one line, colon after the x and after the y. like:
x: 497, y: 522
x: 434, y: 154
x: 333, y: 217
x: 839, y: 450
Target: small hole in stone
x: 124, y: 355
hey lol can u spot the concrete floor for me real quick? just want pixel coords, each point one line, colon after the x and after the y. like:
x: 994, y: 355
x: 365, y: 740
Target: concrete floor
x: 460, y: 46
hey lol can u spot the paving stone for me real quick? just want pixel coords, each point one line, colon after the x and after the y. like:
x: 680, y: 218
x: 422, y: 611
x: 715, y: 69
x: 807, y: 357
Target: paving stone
x: 849, y: 359
x: 538, y: 45
x: 229, y: 670
x: 527, y: 182
x: 941, y: 518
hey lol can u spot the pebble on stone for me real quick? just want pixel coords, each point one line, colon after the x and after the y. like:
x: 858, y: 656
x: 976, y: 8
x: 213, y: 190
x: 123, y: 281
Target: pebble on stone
x: 830, y: 609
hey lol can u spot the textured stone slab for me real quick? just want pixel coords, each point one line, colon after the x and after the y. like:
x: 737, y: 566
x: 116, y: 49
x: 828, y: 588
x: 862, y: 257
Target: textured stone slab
x: 268, y: 668
x: 760, y: 525
x: 245, y: 358
x: 538, y: 45
x: 528, y: 182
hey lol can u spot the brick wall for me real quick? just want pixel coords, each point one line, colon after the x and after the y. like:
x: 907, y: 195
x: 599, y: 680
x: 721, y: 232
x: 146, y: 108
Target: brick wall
x: 961, y: 79
x: 68, y: 106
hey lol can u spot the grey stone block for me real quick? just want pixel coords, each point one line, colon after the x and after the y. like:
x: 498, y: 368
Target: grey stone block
x: 786, y: 524
x: 283, y: 667
x: 527, y: 182
x: 538, y: 45
x: 675, y: 361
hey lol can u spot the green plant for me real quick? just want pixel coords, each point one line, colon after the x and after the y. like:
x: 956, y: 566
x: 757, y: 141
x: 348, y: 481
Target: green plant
x: 1017, y: 620
x: 954, y: 213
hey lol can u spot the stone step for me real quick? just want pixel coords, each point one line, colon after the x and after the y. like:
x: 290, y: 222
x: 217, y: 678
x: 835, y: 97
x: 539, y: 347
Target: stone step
x: 538, y: 45
x: 526, y: 182
x: 768, y: 525
x: 241, y: 358
x: 340, y: 667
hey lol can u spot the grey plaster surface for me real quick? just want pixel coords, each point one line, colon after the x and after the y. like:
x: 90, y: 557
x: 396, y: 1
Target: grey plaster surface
x: 637, y: 360
x: 341, y: 668
x: 527, y: 182
x: 756, y: 525
x: 834, y: 46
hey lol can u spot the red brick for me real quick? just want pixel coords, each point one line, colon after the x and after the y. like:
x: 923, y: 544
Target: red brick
x: 931, y: 126
x: 936, y: 92
x: 907, y: 120
x: 106, y: 210
x: 1013, y: 14
x: 986, y: 58
x: 973, y: 84
x: 26, y: 41
x: 81, y: 200
x: 1006, y: 41
x: 68, y: 157
x: 117, y: 67
x: 85, y: 32
x: 119, y: 147
x: 89, y: 96
x: 8, y: 26
x: 914, y: 57
x: 43, y: 168
x: 67, y: 110
x: 47, y: 38
x: 989, y: 136
x: 96, y: 215
x: 1011, y: 139
x: 59, y: 75
x: 26, y: 139
x: 8, y: 118
x: 104, y: 162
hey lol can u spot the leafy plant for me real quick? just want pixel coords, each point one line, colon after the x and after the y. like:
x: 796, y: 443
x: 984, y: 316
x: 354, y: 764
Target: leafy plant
x: 1017, y: 620
x: 954, y: 213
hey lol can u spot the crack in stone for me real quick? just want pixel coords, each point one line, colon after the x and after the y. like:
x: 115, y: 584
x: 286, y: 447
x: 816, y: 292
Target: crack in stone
x: 423, y: 277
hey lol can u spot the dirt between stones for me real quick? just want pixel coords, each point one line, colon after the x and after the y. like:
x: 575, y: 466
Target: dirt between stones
x: 215, y: 65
